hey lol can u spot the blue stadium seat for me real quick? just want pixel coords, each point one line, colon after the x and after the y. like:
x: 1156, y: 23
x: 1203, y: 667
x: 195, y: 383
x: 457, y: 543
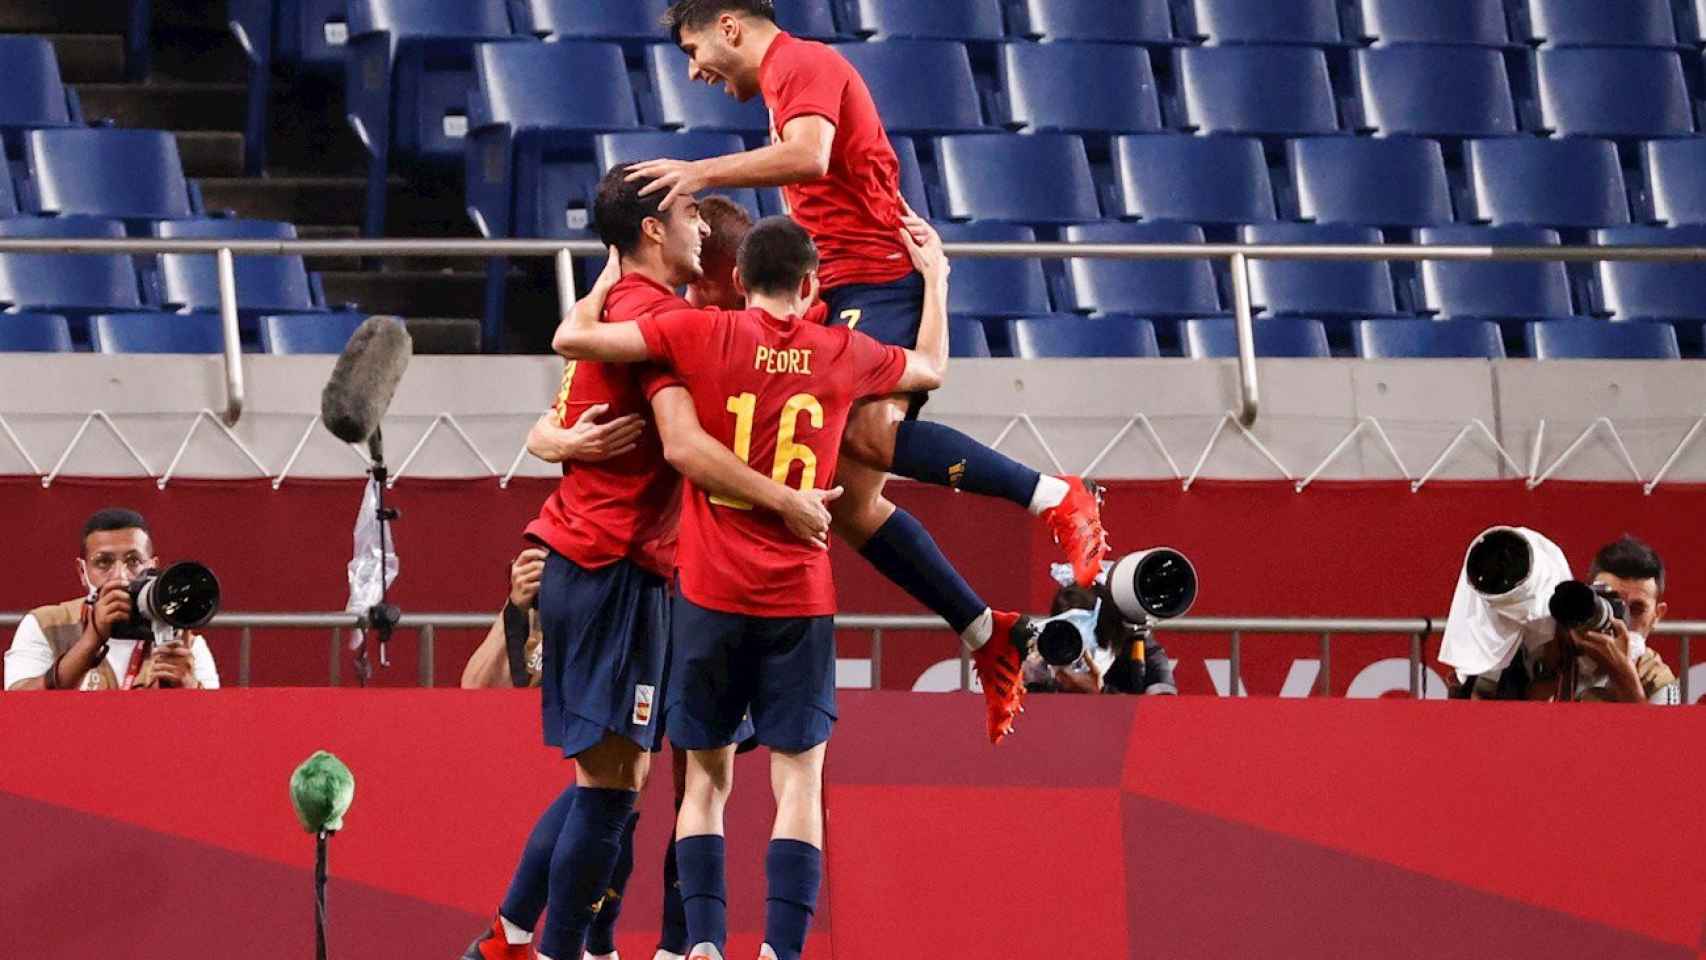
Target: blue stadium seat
x: 1212, y: 180
x: 308, y: 332
x: 1493, y: 290
x: 1613, y: 93
x: 1079, y: 88
x: 1069, y: 335
x: 686, y: 104
x: 995, y: 287
x: 531, y: 113
x: 967, y: 338
x: 1315, y: 288
x: 1398, y: 339
x: 1600, y: 340
x: 1217, y: 337
x: 304, y: 34
x: 811, y: 19
x: 1597, y: 23
x: 911, y: 176
x: 1145, y: 288
x: 614, y: 149
x: 77, y: 284
x: 1264, y: 21
x: 34, y: 333
x: 123, y: 174
x: 34, y: 97
x: 1257, y: 90
x: 8, y: 196
x: 157, y: 333
x: 1574, y: 183
x: 1390, y: 182
x: 919, y: 86
x: 1042, y: 178
x: 190, y: 282
x: 1637, y: 290
x: 1435, y: 91
x: 1462, y: 22
x: 589, y: 19
x: 407, y: 77
x: 1676, y: 179
x: 1097, y: 21
x: 932, y: 20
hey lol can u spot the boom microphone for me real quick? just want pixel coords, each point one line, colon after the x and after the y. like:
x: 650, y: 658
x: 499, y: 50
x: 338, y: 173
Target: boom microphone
x: 365, y: 379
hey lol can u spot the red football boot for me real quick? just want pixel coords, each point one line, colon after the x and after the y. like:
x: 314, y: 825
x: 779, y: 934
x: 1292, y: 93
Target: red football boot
x: 1076, y: 523
x: 493, y: 946
x: 998, y: 663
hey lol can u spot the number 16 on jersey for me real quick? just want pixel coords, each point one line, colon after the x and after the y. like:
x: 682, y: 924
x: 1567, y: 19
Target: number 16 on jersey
x: 788, y: 450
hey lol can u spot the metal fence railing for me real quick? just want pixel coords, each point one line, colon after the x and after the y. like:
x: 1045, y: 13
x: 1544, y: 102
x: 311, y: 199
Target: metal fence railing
x: 426, y: 626
x: 1237, y: 255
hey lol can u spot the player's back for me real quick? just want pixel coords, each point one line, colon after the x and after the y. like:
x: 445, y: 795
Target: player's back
x: 777, y: 393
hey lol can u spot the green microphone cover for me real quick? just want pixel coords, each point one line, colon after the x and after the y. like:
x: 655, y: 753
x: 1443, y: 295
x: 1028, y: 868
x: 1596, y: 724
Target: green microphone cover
x: 321, y: 790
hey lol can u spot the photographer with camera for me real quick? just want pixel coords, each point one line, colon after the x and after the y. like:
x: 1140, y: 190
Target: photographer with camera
x: 107, y: 639
x: 1629, y: 576
x: 510, y: 655
x: 1101, y: 639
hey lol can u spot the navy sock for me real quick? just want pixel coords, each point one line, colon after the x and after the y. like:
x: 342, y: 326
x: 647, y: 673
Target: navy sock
x: 933, y: 453
x: 601, y: 937
x: 903, y: 551
x: 704, y: 897
x: 674, y: 935
x: 794, y: 870
x: 582, y: 865
x: 525, y: 901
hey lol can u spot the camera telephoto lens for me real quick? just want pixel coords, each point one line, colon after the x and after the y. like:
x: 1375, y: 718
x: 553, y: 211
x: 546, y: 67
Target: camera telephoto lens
x: 1060, y: 643
x: 1578, y: 606
x: 1499, y: 562
x: 184, y: 597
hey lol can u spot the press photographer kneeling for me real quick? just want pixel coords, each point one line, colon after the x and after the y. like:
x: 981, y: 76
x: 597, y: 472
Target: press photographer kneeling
x: 132, y: 627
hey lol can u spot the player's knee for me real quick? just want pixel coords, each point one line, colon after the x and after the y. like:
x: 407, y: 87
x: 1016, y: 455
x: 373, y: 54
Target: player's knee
x: 870, y: 435
x: 615, y: 764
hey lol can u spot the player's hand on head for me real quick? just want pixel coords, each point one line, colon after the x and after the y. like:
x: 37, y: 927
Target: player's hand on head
x: 678, y: 178
x: 524, y: 576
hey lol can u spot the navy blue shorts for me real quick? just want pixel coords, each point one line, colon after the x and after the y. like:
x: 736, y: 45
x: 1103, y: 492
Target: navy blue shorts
x: 606, y: 648
x: 887, y: 312
x: 724, y: 665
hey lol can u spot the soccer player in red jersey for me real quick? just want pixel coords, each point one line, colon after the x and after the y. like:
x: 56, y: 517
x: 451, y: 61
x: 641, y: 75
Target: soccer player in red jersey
x: 754, y: 627
x: 840, y: 177
x: 611, y: 531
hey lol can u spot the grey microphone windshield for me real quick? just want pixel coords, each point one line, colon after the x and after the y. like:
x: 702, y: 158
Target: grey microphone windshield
x: 365, y: 379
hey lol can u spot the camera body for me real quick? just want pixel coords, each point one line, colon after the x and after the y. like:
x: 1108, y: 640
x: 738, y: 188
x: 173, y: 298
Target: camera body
x: 1154, y: 584
x: 183, y: 597
x: 1587, y: 606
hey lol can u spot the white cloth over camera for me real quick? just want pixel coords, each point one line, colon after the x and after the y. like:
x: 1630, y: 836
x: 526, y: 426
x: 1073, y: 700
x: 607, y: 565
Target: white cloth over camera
x: 1483, y: 634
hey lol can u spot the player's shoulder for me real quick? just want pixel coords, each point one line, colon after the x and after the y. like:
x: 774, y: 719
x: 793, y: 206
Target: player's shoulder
x: 636, y: 296
x: 798, y: 52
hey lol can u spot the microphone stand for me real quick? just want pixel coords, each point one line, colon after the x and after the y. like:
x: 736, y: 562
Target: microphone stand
x: 384, y: 615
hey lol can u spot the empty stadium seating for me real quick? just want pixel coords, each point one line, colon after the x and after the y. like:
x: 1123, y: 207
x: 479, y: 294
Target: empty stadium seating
x: 34, y: 333
x: 1597, y: 23
x: 990, y: 287
x: 1210, y: 180
x: 1265, y: 91
x: 1321, y: 289
x: 1671, y: 292
x: 1620, y: 93
x: 967, y: 338
x: 34, y: 95
x: 1390, y: 182
x: 1264, y: 21
x: 1435, y: 91
x: 1493, y: 290
x: 1216, y: 337
x: 588, y: 19
x: 304, y: 34
x: 1134, y: 21
x: 811, y: 19
x: 1068, y: 335
x: 124, y: 174
x: 919, y: 86
x: 686, y: 104
x: 1675, y: 173
x: 912, y: 188
x: 299, y: 333
x: 75, y: 284
x: 1145, y: 288
x: 1565, y: 184
x: 1079, y: 88
x: 1398, y: 339
x: 1599, y: 340
x: 190, y: 282
x: 1467, y: 22
x: 1043, y: 178
x: 935, y: 20
x: 157, y: 333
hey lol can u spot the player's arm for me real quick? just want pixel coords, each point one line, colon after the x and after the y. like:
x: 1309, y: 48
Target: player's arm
x: 927, y: 364
x: 582, y: 337
x: 588, y: 441
x: 803, y: 154
x: 715, y: 469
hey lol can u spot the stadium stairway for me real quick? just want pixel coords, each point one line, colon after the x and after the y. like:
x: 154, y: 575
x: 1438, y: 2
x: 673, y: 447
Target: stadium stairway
x: 196, y: 85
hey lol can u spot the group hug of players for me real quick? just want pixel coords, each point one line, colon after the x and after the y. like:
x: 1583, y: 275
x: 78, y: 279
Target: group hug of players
x: 686, y: 584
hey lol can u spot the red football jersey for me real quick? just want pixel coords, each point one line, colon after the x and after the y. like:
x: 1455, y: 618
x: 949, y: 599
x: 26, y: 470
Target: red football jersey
x: 853, y: 213
x: 628, y: 507
x: 777, y: 393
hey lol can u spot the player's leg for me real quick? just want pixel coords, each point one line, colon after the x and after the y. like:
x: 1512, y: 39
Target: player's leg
x: 897, y: 545
x: 601, y: 936
x: 672, y: 940
x: 700, y: 851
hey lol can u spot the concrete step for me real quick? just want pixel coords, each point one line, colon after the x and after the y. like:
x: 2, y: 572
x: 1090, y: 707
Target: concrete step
x: 317, y: 232
x: 196, y: 55
x: 204, y: 15
x: 531, y: 307
x: 337, y: 201
x: 58, y: 16
x: 89, y: 57
x: 441, y: 335
x: 211, y: 153
x: 179, y: 106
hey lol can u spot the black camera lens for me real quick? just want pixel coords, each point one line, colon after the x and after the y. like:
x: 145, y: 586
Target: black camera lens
x: 185, y: 596
x: 1059, y: 643
x: 1579, y: 606
x: 1166, y: 584
x: 1499, y: 562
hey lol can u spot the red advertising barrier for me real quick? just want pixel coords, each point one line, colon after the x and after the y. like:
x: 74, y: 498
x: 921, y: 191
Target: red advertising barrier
x: 1338, y: 549
x: 152, y: 825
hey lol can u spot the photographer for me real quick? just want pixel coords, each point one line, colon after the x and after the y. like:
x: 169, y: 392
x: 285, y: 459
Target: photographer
x: 1126, y: 659
x: 70, y: 645
x: 510, y: 656
x: 1623, y: 668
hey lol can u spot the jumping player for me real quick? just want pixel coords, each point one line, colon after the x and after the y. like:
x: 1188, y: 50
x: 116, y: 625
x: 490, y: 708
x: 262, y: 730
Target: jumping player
x: 611, y: 530
x: 755, y: 615
x: 839, y: 174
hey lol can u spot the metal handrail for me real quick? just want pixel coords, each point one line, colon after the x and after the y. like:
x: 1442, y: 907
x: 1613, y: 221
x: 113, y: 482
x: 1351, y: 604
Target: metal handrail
x: 1237, y: 254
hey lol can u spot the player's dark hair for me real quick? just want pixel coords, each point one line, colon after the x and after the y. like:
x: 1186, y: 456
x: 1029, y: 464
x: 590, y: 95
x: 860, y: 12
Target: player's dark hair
x: 729, y: 223
x: 696, y: 14
x: 1629, y: 559
x: 110, y: 519
x: 619, y: 210
x: 775, y: 256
